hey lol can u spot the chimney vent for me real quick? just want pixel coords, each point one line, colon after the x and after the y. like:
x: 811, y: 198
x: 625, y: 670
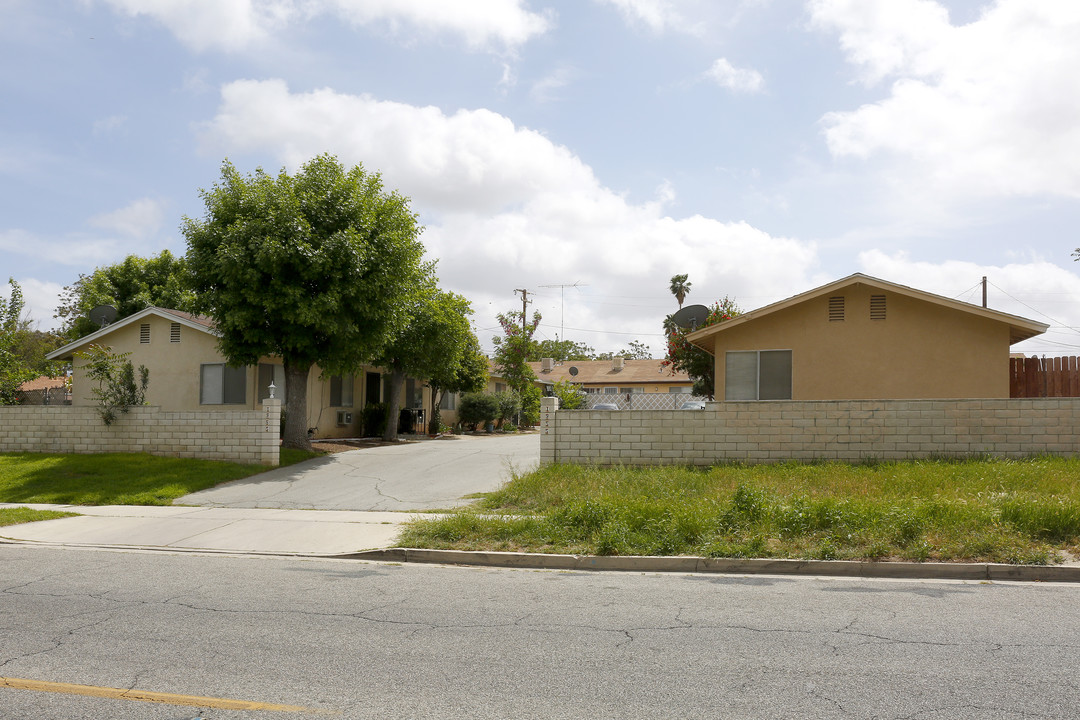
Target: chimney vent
x: 546, y: 364
x: 617, y: 363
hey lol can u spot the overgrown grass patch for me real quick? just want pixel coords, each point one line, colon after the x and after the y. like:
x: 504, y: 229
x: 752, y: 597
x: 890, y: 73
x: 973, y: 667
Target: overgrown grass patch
x: 19, y: 515
x: 977, y: 510
x: 116, y: 478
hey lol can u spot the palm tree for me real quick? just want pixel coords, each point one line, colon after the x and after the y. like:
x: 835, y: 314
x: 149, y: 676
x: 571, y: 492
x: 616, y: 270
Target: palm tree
x: 680, y: 288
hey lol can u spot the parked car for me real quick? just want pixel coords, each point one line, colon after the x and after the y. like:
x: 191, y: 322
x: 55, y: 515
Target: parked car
x: 605, y: 406
x: 693, y: 405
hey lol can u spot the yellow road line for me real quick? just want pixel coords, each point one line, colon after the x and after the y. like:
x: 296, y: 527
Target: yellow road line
x: 154, y: 697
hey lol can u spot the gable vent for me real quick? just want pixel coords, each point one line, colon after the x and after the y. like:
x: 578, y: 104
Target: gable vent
x: 836, y: 308
x: 877, y: 307
x: 144, y: 333
x: 174, y: 333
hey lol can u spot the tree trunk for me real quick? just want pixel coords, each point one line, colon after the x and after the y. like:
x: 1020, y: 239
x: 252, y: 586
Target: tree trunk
x: 393, y: 405
x: 296, y: 414
x: 436, y: 420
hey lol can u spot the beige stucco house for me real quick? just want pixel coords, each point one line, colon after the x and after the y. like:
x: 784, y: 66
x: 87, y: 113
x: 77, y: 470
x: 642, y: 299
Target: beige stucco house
x: 863, y: 338
x: 189, y: 373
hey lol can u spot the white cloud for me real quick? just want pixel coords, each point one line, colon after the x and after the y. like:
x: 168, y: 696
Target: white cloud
x: 472, y: 159
x: 140, y: 219
x: 110, y: 124
x: 987, y: 109
x: 505, y: 207
x: 40, y: 298
x: 657, y: 15
x: 726, y: 75
x: 74, y: 249
x: 1034, y: 289
x: 547, y: 88
x: 235, y: 25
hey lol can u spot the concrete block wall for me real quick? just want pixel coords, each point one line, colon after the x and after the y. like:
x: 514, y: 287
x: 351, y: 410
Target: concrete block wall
x: 847, y: 430
x: 245, y: 436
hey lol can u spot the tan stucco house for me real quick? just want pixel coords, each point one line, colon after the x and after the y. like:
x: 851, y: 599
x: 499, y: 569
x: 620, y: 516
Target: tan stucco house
x: 862, y: 338
x: 189, y: 373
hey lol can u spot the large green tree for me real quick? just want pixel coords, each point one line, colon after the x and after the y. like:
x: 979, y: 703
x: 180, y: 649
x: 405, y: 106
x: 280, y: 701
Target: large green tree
x: 131, y: 285
x: 560, y: 351
x: 688, y: 358
x: 313, y: 267
x: 14, y: 370
x: 428, y: 345
x: 470, y: 376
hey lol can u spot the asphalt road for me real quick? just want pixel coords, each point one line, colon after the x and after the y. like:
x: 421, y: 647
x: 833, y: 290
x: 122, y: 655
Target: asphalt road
x: 428, y: 475
x: 389, y: 641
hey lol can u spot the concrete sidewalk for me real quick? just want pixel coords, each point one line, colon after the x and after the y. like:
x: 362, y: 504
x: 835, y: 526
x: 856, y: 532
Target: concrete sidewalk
x: 244, y: 530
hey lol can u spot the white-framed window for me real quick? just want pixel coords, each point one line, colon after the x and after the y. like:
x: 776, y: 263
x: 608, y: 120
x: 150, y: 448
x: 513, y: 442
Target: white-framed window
x: 222, y: 385
x: 448, y: 401
x: 757, y: 375
x: 611, y: 391
x: 685, y: 390
x: 630, y: 390
x: 341, y: 391
x: 591, y: 390
x: 271, y: 373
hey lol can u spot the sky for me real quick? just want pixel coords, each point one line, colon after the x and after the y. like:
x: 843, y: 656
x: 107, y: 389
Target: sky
x: 583, y: 150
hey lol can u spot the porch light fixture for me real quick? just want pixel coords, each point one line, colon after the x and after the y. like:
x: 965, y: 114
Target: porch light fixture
x: 271, y: 387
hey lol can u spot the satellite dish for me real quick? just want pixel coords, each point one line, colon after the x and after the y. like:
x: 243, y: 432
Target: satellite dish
x: 691, y: 317
x: 102, y: 315
x: 573, y: 371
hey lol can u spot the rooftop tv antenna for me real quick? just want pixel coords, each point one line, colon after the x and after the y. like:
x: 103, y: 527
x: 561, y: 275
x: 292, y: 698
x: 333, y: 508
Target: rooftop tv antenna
x: 102, y: 315
x: 562, y: 302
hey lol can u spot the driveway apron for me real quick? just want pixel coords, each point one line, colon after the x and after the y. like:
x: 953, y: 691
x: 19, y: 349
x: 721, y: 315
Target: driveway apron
x: 427, y: 475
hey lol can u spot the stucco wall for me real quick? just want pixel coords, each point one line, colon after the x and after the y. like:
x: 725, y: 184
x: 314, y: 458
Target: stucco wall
x: 245, y: 436
x: 817, y: 430
x: 920, y: 350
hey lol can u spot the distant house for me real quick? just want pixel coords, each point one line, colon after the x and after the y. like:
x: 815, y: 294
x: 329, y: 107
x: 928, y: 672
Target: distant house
x: 188, y: 372
x: 615, y: 376
x: 45, y: 390
x: 864, y: 338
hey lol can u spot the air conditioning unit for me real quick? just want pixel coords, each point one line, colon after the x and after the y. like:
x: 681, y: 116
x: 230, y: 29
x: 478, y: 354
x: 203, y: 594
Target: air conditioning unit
x: 344, y: 418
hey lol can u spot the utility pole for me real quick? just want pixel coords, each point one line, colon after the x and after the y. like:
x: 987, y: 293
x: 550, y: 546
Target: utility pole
x: 524, y: 306
x: 984, y: 290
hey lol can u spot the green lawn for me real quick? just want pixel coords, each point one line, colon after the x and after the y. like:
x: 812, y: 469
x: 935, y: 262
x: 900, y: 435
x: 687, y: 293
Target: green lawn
x: 980, y: 510
x: 117, y: 478
x: 17, y: 516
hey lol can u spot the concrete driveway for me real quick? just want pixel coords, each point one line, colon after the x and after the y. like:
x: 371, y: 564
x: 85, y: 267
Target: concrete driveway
x: 427, y: 475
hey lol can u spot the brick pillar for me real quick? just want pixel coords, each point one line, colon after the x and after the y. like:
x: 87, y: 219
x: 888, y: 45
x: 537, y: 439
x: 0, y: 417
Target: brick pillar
x: 268, y: 441
x: 549, y: 408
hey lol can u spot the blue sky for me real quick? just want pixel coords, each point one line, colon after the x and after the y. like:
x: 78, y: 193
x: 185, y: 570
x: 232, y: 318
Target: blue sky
x: 764, y: 147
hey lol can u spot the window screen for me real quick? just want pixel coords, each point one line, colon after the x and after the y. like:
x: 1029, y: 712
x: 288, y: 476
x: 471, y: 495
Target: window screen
x: 740, y: 376
x: 223, y: 385
x: 341, y: 391
x: 757, y: 375
x: 774, y: 376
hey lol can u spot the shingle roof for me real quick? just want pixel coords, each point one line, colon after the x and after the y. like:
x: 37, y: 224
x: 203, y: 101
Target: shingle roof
x: 43, y: 383
x: 597, y: 372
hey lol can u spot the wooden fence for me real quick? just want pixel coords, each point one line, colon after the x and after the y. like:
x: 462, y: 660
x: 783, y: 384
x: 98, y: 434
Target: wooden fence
x: 1044, y: 377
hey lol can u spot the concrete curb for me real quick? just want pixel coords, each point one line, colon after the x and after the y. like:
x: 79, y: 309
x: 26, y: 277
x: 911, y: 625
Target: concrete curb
x: 830, y: 568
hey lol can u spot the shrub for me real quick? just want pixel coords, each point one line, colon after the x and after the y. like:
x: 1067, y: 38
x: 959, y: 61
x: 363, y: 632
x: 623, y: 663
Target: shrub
x: 476, y: 409
x: 530, y: 406
x: 373, y: 419
x: 571, y: 396
x: 509, y: 405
